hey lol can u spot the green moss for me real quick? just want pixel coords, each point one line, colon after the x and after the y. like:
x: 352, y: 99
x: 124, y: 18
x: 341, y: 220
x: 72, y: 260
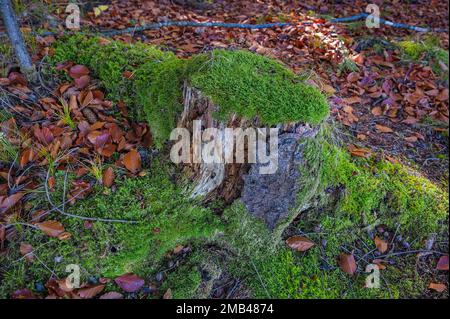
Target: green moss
x: 183, y: 282
x: 426, y: 51
x: 238, y: 81
x: 252, y: 85
x: 166, y: 219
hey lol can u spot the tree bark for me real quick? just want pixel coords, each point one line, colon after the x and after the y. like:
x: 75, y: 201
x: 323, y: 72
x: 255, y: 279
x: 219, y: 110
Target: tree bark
x: 17, y: 42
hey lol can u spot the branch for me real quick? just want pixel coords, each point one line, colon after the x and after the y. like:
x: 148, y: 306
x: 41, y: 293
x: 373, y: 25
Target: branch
x: 17, y: 42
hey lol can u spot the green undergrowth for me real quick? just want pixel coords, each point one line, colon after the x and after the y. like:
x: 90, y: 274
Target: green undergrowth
x: 427, y: 51
x: 239, y: 82
x: 165, y: 218
x: 372, y: 192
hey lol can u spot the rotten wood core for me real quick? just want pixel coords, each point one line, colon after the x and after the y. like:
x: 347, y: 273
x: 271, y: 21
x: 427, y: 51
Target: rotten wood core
x: 269, y: 197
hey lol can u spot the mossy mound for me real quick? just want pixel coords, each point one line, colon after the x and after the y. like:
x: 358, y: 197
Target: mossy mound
x: 239, y: 82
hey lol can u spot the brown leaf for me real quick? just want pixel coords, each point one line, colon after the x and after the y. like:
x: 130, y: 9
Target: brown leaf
x: 443, y: 96
x: 359, y: 152
x: 51, y: 228
x: 26, y: 157
x: 6, y: 202
x: 353, y: 77
x: 27, y: 251
x: 381, y: 244
x: 82, y: 82
x: 168, y: 294
x: 108, y: 177
x: 442, y: 263
x: 129, y: 282
x: 78, y: 71
x: 132, y: 161
x: 377, y: 111
x: 299, y: 243
x: 112, y: 295
x: 347, y: 263
x: 437, y: 287
x: 128, y: 74
x: 64, y: 236
x: 23, y: 294
x: 90, y: 292
x: 352, y: 100
x: 411, y: 139
x: 383, y: 129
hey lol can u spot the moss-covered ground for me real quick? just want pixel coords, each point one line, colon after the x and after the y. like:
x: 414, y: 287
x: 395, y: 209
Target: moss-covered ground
x: 371, y: 192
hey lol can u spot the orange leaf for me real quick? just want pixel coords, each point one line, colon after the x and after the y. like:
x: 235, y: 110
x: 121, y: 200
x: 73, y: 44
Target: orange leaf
x: 26, y: 157
x: 381, y: 244
x: 108, y: 177
x: 6, y: 202
x: 51, y: 228
x: 359, y: 152
x: 299, y: 243
x: 132, y: 161
x: 90, y: 292
x: 437, y: 287
x: 347, y: 263
x: 377, y: 111
x: 383, y: 129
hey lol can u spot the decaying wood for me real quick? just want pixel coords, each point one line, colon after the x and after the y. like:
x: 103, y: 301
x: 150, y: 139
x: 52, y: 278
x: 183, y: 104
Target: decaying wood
x: 270, y: 197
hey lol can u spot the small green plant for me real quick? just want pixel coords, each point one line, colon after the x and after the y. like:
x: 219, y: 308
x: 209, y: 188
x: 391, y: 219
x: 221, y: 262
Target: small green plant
x: 65, y: 116
x: 347, y: 66
x: 8, y: 151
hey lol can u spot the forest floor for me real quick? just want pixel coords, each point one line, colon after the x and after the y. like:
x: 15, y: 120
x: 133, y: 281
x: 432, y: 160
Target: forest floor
x: 387, y: 89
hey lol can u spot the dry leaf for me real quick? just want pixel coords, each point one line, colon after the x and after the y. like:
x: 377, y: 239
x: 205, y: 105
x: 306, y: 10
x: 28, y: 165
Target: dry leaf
x: 51, y: 228
x: 442, y: 263
x: 359, y: 152
x: 108, y: 177
x: 112, y: 295
x: 129, y: 282
x: 383, y: 129
x: 90, y: 292
x: 437, y: 287
x: 347, y: 263
x: 381, y: 244
x: 132, y: 161
x: 299, y: 243
x: 77, y: 71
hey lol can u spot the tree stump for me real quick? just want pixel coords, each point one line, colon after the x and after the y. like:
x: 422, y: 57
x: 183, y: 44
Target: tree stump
x: 270, y: 197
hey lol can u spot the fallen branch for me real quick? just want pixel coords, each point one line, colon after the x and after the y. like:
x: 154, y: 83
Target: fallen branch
x: 386, y: 22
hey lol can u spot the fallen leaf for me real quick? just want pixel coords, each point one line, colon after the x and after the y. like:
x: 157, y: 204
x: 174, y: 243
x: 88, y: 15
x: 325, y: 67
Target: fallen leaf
x: 437, y: 287
x: 442, y: 263
x: 27, y: 251
x: 299, y: 243
x: 6, y: 202
x: 51, y: 228
x: 377, y: 111
x: 77, y: 71
x: 23, y: 294
x: 347, y: 263
x: 381, y: 244
x: 443, y: 96
x: 112, y: 295
x: 130, y: 282
x: 132, y: 161
x: 411, y: 139
x: 168, y: 294
x: 108, y: 177
x: 90, y: 292
x: 383, y: 129
x: 82, y: 82
x: 359, y: 152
